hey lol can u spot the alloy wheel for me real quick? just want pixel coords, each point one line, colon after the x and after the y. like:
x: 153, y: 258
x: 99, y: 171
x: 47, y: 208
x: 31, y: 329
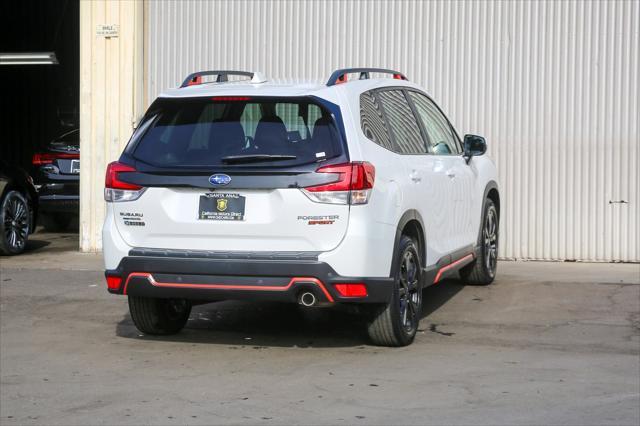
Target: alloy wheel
x: 175, y: 308
x: 16, y: 223
x: 409, y: 291
x: 490, y: 236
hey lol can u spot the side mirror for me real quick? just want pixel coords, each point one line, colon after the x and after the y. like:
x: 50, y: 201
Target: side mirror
x: 473, y: 145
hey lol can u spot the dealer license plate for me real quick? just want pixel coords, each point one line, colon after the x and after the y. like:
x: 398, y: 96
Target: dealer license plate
x: 221, y: 206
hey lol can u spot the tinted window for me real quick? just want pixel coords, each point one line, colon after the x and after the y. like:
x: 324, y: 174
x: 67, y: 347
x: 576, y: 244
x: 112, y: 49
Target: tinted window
x: 202, y: 132
x: 372, y: 121
x: 69, y: 139
x: 441, y: 137
x: 401, y: 122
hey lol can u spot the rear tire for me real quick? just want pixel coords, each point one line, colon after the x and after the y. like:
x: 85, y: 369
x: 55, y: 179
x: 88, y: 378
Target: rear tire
x: 483, y: 270
x: 396, y: 323
x: 15, y: 219
x: 159, y: 316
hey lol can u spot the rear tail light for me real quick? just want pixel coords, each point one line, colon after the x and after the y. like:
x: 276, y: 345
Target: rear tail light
x: 351, y: 289
x: 42, y: 158
x: 353, y: 184
x: 116, y: 190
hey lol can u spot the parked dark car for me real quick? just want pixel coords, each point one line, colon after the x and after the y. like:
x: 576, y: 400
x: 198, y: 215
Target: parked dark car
x: 56, y: 174
x: 18, y: 208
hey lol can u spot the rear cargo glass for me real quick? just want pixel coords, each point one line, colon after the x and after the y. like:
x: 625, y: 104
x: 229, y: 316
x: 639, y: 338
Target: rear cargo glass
x: 236, y: 131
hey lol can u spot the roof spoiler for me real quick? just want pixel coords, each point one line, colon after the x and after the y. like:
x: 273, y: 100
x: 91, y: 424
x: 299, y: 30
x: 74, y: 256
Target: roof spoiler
x: 340, y: 76
x: 222, y: 76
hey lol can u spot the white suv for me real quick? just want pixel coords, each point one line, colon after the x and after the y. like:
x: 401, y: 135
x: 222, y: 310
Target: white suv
x: 351, y: 192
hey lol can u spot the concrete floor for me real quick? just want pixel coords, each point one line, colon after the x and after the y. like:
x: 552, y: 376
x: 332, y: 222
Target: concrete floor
x: 548, y: 343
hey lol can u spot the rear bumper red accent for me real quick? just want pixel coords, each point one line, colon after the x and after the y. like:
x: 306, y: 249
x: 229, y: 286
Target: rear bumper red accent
x: 203, y: 279
x: 241, y: 287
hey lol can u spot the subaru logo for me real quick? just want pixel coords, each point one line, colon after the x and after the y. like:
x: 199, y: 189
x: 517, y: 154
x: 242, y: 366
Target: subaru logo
x: 219, y: 179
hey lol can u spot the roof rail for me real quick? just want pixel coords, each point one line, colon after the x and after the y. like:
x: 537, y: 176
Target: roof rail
x: 222, y: 76
x: 340, y: 76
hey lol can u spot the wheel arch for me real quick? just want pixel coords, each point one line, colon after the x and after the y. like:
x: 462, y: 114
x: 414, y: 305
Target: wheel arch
x: 490, y: 193
x: 410, y: 224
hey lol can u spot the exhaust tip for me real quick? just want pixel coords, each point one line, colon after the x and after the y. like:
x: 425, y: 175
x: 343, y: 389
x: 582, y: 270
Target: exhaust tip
x: 308, y: 299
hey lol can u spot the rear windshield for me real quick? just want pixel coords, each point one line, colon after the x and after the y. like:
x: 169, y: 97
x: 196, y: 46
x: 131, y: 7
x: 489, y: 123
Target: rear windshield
x: 236, y: 131
x: 69, y: 140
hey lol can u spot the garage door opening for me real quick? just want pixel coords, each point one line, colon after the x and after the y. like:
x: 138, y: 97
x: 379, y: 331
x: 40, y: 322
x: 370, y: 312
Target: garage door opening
x: 40, y: 58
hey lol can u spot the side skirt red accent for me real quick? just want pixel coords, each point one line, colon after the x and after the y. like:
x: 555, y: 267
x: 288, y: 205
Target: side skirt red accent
x: 446, y: 268
x: 293, y: 281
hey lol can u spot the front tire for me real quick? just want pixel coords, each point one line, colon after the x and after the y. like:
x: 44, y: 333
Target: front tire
x: 14, y: 223
x: 396, y: 323
x: 483, y: 270
x: 159, y: 316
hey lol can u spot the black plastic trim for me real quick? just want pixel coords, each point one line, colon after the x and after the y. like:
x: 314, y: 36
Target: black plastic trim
x: 364, y: 74
x: 222, y: 76
x: 177, y: 270
x: 239, y: 179
x: 408, y: 216
x: 228, y: 255
x: 490, y: 185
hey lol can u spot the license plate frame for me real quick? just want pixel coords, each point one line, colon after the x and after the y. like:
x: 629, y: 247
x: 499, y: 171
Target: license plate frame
x: 221, y: 206
x: 75, y: 166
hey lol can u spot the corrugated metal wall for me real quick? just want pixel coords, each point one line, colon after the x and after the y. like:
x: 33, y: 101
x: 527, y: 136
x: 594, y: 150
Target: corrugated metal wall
x: 552, y: 85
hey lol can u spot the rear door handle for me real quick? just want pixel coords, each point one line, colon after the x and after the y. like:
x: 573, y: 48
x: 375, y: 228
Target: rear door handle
x: 450, y: 173
x: 415, y: 177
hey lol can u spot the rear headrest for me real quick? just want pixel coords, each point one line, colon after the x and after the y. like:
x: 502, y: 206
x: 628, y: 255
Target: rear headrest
x: 323, y: 136
x: 226, y: 137
x: 321, y: 128
x: 271, y: 134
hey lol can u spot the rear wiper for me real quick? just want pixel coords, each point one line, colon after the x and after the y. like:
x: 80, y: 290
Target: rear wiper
x: 255, y: 158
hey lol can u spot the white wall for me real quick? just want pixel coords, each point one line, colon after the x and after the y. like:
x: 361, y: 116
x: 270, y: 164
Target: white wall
x: 552, y: 85
x: 111, y: 99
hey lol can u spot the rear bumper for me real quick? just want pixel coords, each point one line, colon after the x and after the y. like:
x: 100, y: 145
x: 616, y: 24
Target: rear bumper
x: 59, y: 203
x: 214, y: 279
x: 58, y: 193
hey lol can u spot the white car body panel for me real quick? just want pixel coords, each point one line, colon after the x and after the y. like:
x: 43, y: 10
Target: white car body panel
x: 274, y: 221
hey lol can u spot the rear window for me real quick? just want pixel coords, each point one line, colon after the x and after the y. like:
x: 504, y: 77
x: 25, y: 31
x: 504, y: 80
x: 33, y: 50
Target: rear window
x: 236, y: 131
x: 69, y: 139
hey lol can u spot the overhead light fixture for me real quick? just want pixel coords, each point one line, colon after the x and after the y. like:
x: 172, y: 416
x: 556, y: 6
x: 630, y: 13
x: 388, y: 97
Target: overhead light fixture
x: 28, y: 58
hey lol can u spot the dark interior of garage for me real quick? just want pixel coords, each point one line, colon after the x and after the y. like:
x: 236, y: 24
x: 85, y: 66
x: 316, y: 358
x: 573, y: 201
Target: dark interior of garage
x: 39, y: 102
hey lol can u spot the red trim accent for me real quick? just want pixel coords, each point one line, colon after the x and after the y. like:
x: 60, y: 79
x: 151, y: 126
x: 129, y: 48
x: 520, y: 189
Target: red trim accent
x: 449, y: 266
x: 195, y: 81
x: 293, y: 280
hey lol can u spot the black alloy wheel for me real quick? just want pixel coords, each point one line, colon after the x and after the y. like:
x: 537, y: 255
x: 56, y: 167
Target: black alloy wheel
x: 14, y: 215
x: 482, y: 270
x: 490, y: 241
x: 409, y: 292
x: 396, y: 323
